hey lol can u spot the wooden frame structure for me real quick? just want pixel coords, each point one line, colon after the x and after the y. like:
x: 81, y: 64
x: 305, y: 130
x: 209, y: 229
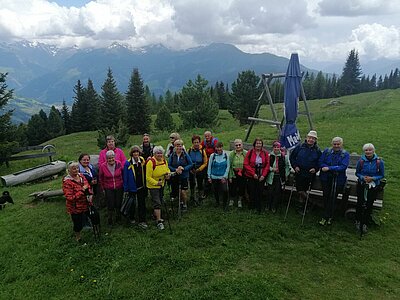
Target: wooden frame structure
x: 266, y: 81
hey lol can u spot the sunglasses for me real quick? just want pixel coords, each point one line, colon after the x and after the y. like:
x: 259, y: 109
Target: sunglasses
x: 238, y: 145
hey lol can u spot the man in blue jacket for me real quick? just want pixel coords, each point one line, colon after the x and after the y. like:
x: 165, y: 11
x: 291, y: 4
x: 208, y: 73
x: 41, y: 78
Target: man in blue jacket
x: 304, y: 160
x: 333, y: 163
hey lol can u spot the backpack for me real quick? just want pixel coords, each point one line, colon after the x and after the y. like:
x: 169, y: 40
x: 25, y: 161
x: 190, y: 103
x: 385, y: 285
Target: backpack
x: 378, y: 164
x: 154, y: 162
x: 225, y: 157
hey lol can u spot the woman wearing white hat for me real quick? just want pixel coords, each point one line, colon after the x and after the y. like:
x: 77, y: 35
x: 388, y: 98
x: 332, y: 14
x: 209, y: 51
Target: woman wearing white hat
x: 304, y: 160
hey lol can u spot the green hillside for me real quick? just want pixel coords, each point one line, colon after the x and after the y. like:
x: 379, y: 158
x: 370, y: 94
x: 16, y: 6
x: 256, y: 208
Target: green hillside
x: 211, y: 254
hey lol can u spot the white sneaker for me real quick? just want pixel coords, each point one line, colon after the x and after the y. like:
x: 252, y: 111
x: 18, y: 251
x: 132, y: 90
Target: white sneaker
x: 143, y: 225
x: 239, y: 204
x: 230, y: 202
x: 160, y: 226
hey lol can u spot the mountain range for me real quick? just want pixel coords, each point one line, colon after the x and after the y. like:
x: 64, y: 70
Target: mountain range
x: 47, y: 74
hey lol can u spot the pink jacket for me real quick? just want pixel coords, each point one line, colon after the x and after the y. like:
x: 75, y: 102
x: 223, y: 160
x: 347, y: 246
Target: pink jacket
x: 107, y: 180
x: 119, y: 155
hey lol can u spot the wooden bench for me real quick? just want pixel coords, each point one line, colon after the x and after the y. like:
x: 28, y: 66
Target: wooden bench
x: 350, y: 191
x: 46, y: 151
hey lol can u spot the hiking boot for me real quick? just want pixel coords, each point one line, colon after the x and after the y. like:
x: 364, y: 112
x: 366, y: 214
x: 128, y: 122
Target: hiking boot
x: 329, y: 222
x: 322, y: 222
x: 184, y: 207
x: 364, y: 228
x: 240, y: 204
x: 160, y: 225
x: 357, y: 225
x: 143, y: 225
x: 230, y: 202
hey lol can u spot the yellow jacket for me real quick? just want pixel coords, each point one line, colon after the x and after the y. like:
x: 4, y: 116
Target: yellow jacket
x: 154, y: 174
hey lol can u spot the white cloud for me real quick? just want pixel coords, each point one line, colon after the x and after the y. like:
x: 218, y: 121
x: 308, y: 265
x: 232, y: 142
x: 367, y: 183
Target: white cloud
x: 358, y: 7
x: 317, y: 29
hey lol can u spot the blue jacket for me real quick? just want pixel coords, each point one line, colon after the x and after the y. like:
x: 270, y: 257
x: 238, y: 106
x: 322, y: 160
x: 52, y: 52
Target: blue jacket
x: 337, y: 162
x: 370, y: 168
x: 305, y: 158
x: 130, y: 176
x: 184, y: 161
x: 218, y: 166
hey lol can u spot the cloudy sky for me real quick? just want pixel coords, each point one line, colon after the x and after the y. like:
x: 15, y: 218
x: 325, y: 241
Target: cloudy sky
x: 321, y: 31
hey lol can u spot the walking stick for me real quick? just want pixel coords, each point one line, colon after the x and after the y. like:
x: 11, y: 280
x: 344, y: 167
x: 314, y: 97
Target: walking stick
x: 166, y: 209
x: 308, y: 196
x: 333, y: 193
x: 363, y: 210
x: 290, y: 198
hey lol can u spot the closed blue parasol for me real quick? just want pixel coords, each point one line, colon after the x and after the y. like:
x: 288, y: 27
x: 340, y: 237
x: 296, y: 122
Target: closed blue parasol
x: 290, y: 135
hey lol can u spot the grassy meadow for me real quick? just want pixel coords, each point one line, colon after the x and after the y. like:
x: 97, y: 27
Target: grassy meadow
x: 212, y: 254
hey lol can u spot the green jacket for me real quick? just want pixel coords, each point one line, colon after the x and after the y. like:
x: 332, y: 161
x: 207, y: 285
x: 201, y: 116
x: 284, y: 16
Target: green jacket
x: 236, y: 162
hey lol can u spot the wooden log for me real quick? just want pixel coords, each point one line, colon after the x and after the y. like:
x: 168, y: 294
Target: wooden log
x: 28, y: 175
x: 47, y: 194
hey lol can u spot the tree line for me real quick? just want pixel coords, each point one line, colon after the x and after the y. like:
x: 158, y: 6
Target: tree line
x: 196, y: 104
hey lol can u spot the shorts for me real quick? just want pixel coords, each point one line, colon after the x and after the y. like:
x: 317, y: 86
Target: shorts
x: 156, y: 197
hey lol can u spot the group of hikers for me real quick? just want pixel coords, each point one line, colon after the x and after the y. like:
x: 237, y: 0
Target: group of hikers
x: 237, y: 177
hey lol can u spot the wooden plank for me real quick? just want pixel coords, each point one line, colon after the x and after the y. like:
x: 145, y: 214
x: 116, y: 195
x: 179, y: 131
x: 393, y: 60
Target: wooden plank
x: 29, y: 156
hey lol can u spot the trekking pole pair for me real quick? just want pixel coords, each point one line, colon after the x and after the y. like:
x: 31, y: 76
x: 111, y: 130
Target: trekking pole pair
x: 363, y: 211
x: 165, y: 208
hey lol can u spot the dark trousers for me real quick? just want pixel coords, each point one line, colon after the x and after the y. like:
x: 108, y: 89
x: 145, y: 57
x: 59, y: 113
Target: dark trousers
x: 140, y: 197
x: 330, y: 200
x: 274, y: 193
x: 79, y: 220
x: 362, y: 215
x: 238, y: 186
x: 255, y: 190
x: 200, y: 176
x: 220, y: 189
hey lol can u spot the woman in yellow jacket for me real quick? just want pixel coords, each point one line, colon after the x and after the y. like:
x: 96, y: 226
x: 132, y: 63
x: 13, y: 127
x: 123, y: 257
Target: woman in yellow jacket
x: 157, y: 172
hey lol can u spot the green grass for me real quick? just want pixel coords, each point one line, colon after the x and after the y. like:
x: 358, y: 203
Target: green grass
x: 213, y: 255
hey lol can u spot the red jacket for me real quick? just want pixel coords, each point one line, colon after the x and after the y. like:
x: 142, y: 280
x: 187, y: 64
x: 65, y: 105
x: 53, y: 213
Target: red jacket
x: 107, y: 180
x: 249, y: 163
x: 76, y: 200
x: 209, y: 147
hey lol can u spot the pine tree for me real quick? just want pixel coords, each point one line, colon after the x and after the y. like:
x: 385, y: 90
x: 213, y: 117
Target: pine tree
x: 111, y: 103
x: 245, y: 92
x: 36, y: 130
x: 93, y: 107
x: 164, y: 121
x: 319, y: 86
x: 201, y: 109
x: 79, y: 109
x: 66, y: 117
x: 350, y: 80
x: 139, y: 119
x: 7, y: 139
x: 55, y: 123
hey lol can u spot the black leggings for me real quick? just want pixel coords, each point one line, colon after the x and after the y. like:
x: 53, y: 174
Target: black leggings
x: 371, y: 197
x: 114, y: 199
x: 79, y: 220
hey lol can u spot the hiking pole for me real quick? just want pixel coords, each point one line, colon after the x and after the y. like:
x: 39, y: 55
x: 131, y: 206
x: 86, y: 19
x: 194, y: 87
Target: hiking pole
x: 305, y: 206
x: 166, y: 209
x: 333, y: 193
x: 179, y: 201
x: 195, y: 192
x: 290, y: 198
x: 363, y: 210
